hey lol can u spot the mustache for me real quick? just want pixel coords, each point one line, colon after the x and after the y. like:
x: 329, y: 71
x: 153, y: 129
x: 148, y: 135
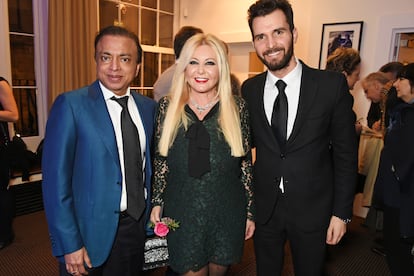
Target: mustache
x: 273, y: 50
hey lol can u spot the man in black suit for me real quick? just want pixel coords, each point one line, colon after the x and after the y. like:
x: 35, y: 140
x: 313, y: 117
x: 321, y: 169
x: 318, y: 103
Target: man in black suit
x: 306, y: 167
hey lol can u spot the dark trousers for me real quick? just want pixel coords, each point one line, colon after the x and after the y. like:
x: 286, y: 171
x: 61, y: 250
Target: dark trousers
x: 7, y: 206
x: 308, y: 248
x: 7, y: 209
x: 399, y: 258
x: 127, y: 254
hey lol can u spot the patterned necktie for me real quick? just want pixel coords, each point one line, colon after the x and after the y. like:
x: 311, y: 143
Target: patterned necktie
x: 132, y: 162
x: 280, y: 114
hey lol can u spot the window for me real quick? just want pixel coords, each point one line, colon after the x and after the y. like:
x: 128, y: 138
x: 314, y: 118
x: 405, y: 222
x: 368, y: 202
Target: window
x: 403, y: 45
x: 22, y: 66
x: 153, y: 22
x: 20, y: 54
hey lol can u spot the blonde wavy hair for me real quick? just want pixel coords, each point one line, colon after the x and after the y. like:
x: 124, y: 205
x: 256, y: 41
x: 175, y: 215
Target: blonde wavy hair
x: 376, y: 76
x: 228, y: 118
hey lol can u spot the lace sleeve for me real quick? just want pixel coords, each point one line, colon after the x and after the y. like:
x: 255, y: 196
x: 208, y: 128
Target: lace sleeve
x: 246, y: 164
x: 160, y: 168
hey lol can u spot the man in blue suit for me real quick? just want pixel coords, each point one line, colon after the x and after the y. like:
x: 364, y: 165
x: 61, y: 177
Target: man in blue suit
x: 84, y: 184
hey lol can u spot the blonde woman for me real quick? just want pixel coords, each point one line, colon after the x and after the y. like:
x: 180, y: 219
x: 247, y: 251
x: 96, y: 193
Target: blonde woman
x: 203, y: 173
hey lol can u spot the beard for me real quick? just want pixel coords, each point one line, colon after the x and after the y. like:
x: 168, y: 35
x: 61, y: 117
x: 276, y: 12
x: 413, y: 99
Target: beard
x: 278, y: 65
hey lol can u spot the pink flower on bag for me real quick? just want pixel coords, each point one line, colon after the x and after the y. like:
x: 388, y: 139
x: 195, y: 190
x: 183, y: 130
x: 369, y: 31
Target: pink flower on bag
x: 161, y: 229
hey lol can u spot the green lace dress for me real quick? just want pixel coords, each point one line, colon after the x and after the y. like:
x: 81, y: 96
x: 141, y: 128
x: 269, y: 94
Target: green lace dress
x: 212, y: 208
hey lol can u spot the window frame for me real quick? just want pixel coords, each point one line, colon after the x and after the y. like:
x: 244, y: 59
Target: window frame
x: 156, y: 49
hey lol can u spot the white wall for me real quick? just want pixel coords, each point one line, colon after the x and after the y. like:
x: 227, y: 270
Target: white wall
x: 228, y: 20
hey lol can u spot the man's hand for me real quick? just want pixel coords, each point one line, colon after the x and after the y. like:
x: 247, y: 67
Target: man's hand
x: 336, y: 230
x: 75, y: 262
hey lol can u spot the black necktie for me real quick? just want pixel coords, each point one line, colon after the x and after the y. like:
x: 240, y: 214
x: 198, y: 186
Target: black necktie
x: 280, y: 114
x: 132, y: 162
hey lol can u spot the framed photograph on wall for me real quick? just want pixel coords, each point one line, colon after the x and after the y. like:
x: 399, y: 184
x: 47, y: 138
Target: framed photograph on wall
x: 335, y: 35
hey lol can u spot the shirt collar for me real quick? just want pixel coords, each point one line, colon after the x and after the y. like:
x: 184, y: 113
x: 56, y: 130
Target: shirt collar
x: 292, y: 76
x: 108, y: 94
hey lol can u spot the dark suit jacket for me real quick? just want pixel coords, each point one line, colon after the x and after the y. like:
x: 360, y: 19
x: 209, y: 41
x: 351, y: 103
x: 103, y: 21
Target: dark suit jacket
x: 81, y: 171
x: 319, y: 164
x: 374, y: 113
x: 394, y: 185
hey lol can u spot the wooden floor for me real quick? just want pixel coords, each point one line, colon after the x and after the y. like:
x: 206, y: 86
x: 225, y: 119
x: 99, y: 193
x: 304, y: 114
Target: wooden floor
x: 30, y: 254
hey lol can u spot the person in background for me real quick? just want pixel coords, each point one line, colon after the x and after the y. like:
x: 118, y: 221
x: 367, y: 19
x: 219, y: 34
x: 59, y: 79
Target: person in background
x: 374, y: 218
x: 94, y: 184
x: 390, y: 70
x: 394, y: 186
x: 202, y: 166
x: 8, y: 113
x: 376, y: 86
x: 306, y: 160
x: 348, y: 62
x: 163, y: 84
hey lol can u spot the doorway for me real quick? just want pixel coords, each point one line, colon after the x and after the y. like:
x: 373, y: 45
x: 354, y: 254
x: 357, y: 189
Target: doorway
x: 402, y: 49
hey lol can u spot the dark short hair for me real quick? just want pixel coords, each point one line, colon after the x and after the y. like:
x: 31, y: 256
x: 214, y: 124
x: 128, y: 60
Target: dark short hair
x: 182, y: 36
x: 392, y: 67
x: 119, y: 31
x: 265, y: 7
x: 407, y: 72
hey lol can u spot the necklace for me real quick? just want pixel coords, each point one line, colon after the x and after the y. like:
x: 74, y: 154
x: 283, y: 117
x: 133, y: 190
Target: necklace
x: 202, y: 108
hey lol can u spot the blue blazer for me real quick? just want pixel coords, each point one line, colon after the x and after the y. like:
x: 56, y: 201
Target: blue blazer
x: 82, y: 174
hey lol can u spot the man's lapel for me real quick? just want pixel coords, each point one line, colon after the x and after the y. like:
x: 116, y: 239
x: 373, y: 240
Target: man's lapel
x: 102, y: 120
x: 308, y: 89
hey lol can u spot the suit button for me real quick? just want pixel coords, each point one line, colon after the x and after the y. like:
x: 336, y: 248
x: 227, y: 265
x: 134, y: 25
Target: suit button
x: 282, y: 156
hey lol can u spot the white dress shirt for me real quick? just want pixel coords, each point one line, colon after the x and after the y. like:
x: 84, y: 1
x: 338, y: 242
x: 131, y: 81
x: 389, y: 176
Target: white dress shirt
x: 115, y: 110
x: 293, y: 82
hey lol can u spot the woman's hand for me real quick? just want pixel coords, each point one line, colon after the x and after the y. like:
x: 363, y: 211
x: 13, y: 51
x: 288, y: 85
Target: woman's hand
x: 250, y: 227
x: 377, y: 125
x: 155, y: 214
